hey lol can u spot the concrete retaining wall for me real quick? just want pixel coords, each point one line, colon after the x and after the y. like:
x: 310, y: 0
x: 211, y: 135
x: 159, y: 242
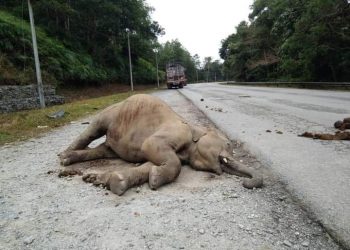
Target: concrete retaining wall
x: 15, y: 98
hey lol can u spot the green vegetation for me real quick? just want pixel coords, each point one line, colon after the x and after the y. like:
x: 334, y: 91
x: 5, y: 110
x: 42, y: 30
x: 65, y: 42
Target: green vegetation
x: 291, y: 40
x: 84, y: 42
x: 58, y: 62
x: 80, y: 42
x: 27, y: 124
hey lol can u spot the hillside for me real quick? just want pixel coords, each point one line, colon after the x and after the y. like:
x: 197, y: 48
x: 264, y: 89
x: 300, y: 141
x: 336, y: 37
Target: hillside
x: 59, y: 64
x: 80, y: 43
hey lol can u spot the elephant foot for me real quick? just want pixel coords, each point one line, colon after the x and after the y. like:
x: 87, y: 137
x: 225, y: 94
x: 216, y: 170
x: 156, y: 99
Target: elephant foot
x: 157, y: 177
x: 97, y: 179
x: 154, y: 181
x: 118, y: 183
x: 68, y: 157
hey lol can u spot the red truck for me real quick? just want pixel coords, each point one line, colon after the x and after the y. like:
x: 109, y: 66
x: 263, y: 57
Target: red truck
x: 175, y: 74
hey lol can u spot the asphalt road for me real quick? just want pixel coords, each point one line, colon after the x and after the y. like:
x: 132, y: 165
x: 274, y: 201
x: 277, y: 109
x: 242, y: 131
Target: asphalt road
x: 317, y: 173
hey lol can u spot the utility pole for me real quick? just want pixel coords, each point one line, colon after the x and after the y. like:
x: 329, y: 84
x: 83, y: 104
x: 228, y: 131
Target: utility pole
x: 36, y: 57
x: 208, y: 73
x: 130, y: 65
x: 156, y: 52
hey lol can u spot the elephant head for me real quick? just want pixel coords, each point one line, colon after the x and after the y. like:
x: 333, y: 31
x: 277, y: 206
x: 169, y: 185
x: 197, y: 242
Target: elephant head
x: 212, y: 151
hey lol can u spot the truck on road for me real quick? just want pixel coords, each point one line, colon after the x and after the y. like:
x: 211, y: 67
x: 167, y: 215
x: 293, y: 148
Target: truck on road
x: 175, y: 74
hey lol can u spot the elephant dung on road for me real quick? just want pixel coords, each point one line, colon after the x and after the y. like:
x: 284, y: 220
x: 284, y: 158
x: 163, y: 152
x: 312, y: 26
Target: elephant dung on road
x: 143, y: 129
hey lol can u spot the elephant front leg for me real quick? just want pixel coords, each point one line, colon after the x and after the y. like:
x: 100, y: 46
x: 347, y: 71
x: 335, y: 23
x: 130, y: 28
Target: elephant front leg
x: 120, y: 181
x: 102, y: 151
x: 94, y: 131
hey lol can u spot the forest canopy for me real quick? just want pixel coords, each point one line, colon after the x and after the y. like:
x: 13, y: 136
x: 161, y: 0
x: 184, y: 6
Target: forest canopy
x: 290, y: 40
x: 83, y: 42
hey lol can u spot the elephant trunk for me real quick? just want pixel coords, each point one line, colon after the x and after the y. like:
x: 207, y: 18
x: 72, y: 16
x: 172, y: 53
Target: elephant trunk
x: 231, y: 166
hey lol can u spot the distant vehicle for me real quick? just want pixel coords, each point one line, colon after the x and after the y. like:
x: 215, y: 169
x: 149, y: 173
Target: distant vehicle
x: 175, y: 74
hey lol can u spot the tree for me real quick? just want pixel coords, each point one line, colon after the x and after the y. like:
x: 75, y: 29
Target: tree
x: 291, y: 40
x: 90, y: 29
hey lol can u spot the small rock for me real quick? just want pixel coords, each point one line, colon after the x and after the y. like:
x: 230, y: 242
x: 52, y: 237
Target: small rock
x: 206, y: 107
x: 29, y: 240
x: 202, y: 99
x: 305, y: 244
x: 235, y: 196
x: 282, y: 198
x: 56, y: 115
x: 279, y: 132
x: 287, y: 243
x: 268, y: 131
x: 41, y: 127
x: 201, y: 231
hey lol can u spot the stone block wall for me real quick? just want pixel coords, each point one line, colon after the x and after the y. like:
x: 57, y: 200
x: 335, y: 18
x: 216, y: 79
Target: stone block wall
x: 15, y: 98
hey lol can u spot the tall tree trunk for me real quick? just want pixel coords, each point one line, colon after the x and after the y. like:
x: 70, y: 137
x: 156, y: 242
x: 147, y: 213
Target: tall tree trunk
x: 57, y: 21
x: 68, y: 18
x: 334, y: 74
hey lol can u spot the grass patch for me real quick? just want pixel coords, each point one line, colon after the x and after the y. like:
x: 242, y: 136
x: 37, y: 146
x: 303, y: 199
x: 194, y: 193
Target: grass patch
x: 26, y: 124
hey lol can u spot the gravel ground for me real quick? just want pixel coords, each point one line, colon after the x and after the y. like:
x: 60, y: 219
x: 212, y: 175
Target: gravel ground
x: 38, y: 210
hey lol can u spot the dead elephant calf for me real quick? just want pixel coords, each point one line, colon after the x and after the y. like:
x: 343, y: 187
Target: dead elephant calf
x: 144, y: 129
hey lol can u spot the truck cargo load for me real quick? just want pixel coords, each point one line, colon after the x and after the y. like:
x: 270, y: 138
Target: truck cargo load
x: 175, y: 73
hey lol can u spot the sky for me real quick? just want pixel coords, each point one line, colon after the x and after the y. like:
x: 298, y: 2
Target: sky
x: 199, y: 25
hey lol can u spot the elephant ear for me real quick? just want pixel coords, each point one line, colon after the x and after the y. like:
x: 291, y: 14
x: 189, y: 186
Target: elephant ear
x: 197, y: 133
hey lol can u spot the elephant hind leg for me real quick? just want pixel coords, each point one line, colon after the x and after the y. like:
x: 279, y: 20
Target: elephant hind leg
x: 167, y: 165
x: 101, y: 151
x: 120, y: 181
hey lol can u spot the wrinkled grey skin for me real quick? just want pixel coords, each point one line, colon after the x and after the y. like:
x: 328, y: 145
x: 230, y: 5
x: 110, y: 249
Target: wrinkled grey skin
x: 144, y: 129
